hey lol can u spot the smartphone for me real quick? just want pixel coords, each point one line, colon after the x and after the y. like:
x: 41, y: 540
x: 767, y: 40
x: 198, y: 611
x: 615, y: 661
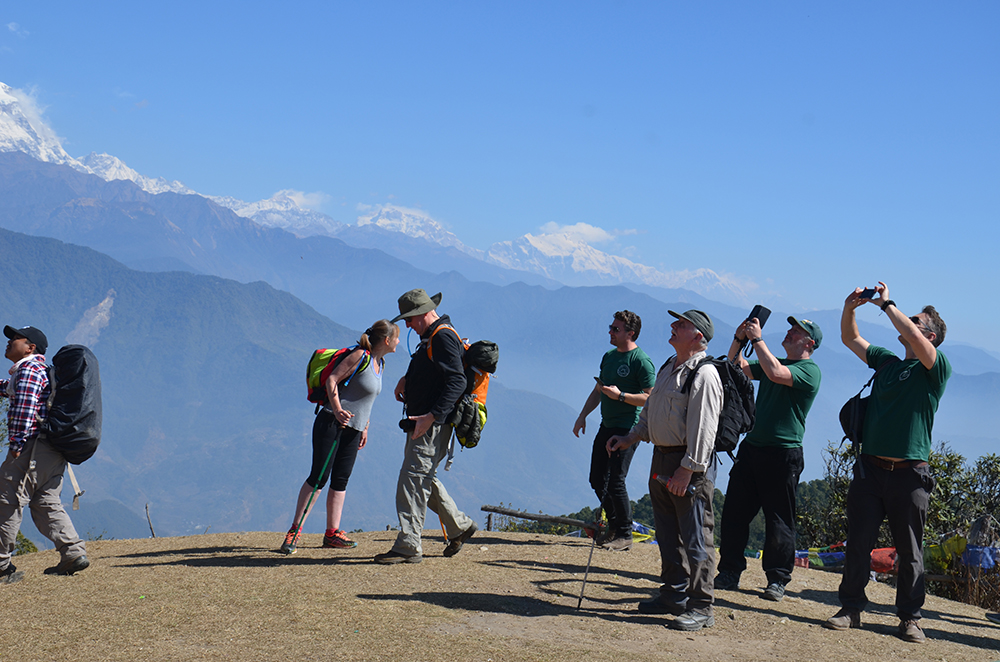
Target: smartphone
x: 598, y: 380
x: 867, y: 293
x: 761, y: 313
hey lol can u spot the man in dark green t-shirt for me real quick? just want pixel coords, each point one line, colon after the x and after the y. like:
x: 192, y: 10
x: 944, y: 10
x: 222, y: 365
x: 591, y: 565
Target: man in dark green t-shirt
x: 626, y: 378
x: 892, y: 478
x: 767, y: 469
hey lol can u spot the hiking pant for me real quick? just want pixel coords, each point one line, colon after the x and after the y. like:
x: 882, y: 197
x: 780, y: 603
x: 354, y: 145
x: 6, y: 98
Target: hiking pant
x: 684, y: 532
x: 901, y: 495
x: 763, y: 477
x: 39, y: 489
x: 419, y: 489
x: 607, y: 477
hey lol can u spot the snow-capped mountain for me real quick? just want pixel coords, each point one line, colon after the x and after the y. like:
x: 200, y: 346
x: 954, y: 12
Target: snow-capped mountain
x: 21, y: 130
x: 567, y: 259
x: 561, y: 257
x: 109, y: 168
x: 282, y: 210
x: 414, y: 223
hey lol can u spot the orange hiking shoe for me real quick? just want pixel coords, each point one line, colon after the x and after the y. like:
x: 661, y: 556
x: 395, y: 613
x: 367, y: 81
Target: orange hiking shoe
x: 339, y: 540
x: 291, y: 541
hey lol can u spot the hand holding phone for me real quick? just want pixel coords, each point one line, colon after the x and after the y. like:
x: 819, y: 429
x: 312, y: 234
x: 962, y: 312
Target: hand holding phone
x: 598, y: 380
x: 867, y: 293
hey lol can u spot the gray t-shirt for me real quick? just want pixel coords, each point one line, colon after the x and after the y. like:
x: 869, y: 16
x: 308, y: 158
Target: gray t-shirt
x: 358, y: 396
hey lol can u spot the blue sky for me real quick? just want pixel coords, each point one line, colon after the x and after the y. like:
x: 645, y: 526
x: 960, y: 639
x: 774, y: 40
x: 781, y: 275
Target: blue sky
x: 805, y: 149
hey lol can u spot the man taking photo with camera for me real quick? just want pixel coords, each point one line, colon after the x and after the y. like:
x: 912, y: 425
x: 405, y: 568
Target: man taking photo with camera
x: 769, y: 462
x: 892, y: 477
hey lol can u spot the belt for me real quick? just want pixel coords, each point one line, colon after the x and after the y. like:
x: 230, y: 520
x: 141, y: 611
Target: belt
x: 666, y: 450
x: 889, y: 465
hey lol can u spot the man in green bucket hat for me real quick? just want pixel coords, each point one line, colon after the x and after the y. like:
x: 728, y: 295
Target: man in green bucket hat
x: 433, y: 384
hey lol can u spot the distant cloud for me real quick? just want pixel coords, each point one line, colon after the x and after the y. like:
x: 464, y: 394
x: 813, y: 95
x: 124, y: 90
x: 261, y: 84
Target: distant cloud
x: 142, y: 104
x: 123, y: 94
x: 312, y: 201
x: 18, y: 30
x: 584, y: 232
x: 35, y: 112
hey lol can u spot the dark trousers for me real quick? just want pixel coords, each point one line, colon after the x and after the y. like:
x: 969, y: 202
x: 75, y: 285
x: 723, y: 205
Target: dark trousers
x: 684, y: 532
x: 326, y: 433
x: 763, y: 477
x: 607, y: 477
x: 901, y: 495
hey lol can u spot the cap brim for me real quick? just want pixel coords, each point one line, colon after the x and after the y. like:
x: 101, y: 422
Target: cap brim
x: 10, y: 332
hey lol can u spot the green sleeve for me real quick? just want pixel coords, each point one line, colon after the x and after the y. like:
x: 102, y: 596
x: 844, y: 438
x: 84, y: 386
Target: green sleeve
x: 805, y: 376
x: 647, y: 373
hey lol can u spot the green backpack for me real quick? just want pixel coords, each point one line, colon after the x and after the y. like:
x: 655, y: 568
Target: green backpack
x: 320, y: 366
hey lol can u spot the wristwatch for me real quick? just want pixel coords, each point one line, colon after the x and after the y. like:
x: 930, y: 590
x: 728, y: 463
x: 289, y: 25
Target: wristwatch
x: 621, y: 396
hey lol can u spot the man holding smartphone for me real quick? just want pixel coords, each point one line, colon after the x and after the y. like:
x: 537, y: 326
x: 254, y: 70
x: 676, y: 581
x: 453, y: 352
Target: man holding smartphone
x: 626, y: 377
x: 769, y: 463
x: 891, y: 476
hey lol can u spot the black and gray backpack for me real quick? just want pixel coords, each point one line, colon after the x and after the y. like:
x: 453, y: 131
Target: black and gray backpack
x: 73, y: 426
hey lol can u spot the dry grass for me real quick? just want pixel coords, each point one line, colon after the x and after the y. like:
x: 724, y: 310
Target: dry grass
x: 506, y: 596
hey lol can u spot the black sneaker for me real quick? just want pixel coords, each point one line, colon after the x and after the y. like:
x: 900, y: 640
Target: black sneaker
x: 69, y: 566
x: 11, y: 575
x: 726, y: 581
x: 774, y: 592
x: 392, y: 558
x: 691, y: 621
x: 455, y: 546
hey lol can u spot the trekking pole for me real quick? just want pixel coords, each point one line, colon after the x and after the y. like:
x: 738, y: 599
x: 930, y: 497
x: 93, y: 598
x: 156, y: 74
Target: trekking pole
x: 598, y: 520
x: 302, y: 519
x: 593, y: 544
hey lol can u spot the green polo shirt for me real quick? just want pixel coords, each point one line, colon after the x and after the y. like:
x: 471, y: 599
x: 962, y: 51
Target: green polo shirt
x: 782, y: 410
x: 631, y: 372
x: 901, y: 408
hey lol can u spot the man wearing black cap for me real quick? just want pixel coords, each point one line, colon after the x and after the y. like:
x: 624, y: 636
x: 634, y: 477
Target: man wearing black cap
x: 32, y: 471
x: 433, y: 384
x: 767, y: 469
x: 682, y: 426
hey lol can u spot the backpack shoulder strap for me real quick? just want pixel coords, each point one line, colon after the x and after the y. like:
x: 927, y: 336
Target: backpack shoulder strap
x: 430, y: 341
x: 694, y: 371
x: 366, y: 358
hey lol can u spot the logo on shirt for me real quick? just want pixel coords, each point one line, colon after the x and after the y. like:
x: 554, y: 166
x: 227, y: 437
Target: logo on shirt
x: 623, y: 370
x: 903, y: 376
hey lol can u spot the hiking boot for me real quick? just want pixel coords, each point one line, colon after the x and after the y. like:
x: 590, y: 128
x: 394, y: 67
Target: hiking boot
x: 993, y: 618
x: 339, y: 540
x: 909, y: 630
x: 658, y: 606
x: 726, y: 581
x: 774, y: 592
x: 843, y: 620
x: 291, y: 541
x: 11, y: 575
x: 690, y: 621
x: 601, y: 534
x: 619, y: 544
x: 455, y: 546
x: 69, y: 566
x: 392, y: 558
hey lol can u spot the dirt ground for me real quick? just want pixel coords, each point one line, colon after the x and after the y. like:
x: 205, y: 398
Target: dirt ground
x: 506, y: 596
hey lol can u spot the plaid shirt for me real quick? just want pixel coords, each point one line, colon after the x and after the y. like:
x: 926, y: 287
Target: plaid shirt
x: 31, y: 394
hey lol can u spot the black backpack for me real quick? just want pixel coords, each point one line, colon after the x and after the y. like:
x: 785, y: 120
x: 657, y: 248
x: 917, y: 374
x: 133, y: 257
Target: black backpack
x: 73, y: 426
x: 852, y: 414
x: 739, y: 408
